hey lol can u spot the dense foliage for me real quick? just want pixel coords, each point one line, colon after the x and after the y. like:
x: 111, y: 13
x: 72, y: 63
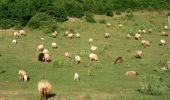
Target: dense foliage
x: 19, y: 12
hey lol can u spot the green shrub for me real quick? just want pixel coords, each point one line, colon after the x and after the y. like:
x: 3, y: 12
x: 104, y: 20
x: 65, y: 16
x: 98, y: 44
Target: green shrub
x: 152, y: 85
x: 90, y: 17
x: 109, y: 12
x: 6, y: 23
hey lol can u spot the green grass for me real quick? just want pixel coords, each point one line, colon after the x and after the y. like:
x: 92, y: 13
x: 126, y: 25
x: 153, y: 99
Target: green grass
x: 108, y: 81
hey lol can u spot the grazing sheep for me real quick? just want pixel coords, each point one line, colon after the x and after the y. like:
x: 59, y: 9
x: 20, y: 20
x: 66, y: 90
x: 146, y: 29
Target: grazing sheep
x: 118, y: 60
x: 22, y: 32
x: 108, y: 24
x: 44, y: 88
x: 47, y: 58
x: 120, y: 25
x: 14, y: 41
x: 41, y: 57
x: 54, y: 45
x: 40, y: 47
x: 42, y: 38
x: 145, y: 43
x: 16, y: 34
x: 93, y: 48
x: 93, y: 57
x: 137, y: 36
x: 139, y: 54
x: 70, y: 35
x: 162, y: 42
x: 150, y: 30
x: 164, y: 34
x: 143, y: 31
x: 76, y: 77
x: 22, y: 75
x: 90, y: 40
x: 107, y: 35
x: 139, y: 31
x: 45, y: 51
x: 128, y: 36
x: 54, y: 34
x: 165, y: 27
x: 131, y: 73
x: 67, y: 55
x: 77, y: 59
x: 66, y: 33
x: 78, y: 35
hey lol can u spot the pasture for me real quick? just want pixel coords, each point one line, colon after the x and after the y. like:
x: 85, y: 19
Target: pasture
x: 100, y: 80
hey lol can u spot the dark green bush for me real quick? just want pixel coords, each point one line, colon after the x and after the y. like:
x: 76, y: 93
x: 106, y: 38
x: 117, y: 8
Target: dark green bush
x: 6, y: 23
x: 90, y: 17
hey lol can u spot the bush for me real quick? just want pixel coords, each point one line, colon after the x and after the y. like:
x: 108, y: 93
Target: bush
x: 6, y: 23
x: 90, y: 17
x: 109, y: 12
x: 152, y: 85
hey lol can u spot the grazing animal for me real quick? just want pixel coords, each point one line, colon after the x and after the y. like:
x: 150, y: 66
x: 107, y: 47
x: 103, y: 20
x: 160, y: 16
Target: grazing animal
x: 54, y: 45
x: 76, y: 77
x: 164, y: 34
x: 131, y: 73
x: 44, y: 88
x: 107, y: 35
x: 66, y: 33
x: 150, y: 30
x: 139, y: 31
x: 14, y: 41
x: 145, y: 43
x: 165, y: 27
x: 54, y: 34
x: 162, y: 42
x: 16, y: 34
x: 40, y: 47
x: 78, y: 35
x: 42, y: 38
x: 78, y: 59
x: 70, y: 35
x: 45, y: 51
x: 139, y: 54
x: 118, y: 60
x: 93, y: 57
x: 41, y: 57
x: 22, y: 75
x: 93, y: 48
x: 137, y: 36
x: 67, y: 54
x: 108, y: 24
x: 22, y: 33
x: 143, y: 31
x: 90, y: 40
x: 128, y: 36
x: 47, y: 58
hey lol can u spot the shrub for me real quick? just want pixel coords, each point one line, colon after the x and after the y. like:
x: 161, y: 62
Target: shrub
x: 6, y: 23
x: 152, y: 85
x: 90, y: 17
x: 109, y: 12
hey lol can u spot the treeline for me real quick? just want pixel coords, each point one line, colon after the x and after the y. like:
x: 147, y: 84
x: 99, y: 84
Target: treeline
x: 38, y: 12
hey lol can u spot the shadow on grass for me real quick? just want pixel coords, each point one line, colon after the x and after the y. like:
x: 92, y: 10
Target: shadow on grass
x: 3, y: 71
x: 51, y: 95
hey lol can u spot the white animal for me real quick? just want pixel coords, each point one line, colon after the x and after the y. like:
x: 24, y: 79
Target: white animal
x: 40, y: 47
x: 139, y: 54
x: 22, y: 32
x: 47, y: 57
x: 93, y: 48
x: 137, y: 36
x: 45, y: 51
x: 78, y: 35
x: 70, y: 35
x: 162, y: 42
x: 90, y: 40
x: 76, y: 77
x: 54, y: 45
x: 54, y: 34
x: 93, y: 57
x: 22, y: 75
x: 14, y: 41
x: 66, y: 33
x: 16, y: 34
x: 107, y: 35
x: 77, y: 59
x: 139, y: 31
x: 108, y: 24
x: 165, y: 27
x: 143, y: 31
x: 131, y: 73
x: 128, y: 36
x: 120, y: 25
x: 42, y: 38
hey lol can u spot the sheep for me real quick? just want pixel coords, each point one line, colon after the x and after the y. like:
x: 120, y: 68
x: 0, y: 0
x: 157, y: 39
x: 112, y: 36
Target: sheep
x: 165, y: 27
x: 22, y: 75
x: 128, y: 36
x: 93, y: 57
x: 44, y: 88
x: 66, y: 33
x: 78, y: 35
x: 16, y: 34
x: 22, y: 32
x: 77, y: 59
x: 108, y: 24
x: 139, y: 31
x: 40, y: 47
x: 143, y: 31
x: 162, y: 42
x: 67, y: 54
x: 131, y: 73
x: 150, y: 30
x: 139, y: 54
x: 120, y: 25
x: 107, y: 35
x: 93, y: 48
x: 14, y: 41
x: 47, y: 58
x: 54, y: 34
x: 76, y: 77
x: 145, y: 42
x: 137, y: 36
x: 45, y: 51
x: 118, y: 60
x: 41, y: 57
x: 90, y: 40
x: 54, y: 45
x: 164, y: 34
x: 70, y: 35
x: 42, y: 38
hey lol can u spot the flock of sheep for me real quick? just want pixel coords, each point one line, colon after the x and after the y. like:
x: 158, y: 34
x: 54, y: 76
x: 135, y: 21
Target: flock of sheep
x: 44, y: 87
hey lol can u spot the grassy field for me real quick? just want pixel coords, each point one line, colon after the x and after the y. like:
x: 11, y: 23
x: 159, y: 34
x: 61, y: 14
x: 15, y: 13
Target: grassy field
x: 108, y: 81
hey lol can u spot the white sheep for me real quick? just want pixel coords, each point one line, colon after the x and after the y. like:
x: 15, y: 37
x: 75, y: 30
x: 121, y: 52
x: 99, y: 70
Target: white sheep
x: 70, y: 35
x: 164, y: 34
x: 16, y: 34
x: 42, y: 38
x: 162, y: 42
x: 143, y: 31
x: 14, y: 41
x: 137, y: 36
x: 54, y: 34
x: 145, y: 42
x: 22, y: 75
x: 139, y: 54
x: 45, y: 51
x: 93, y: 48
x: 22, y: 32
x: 150, y: 30
x: 93, y: 57
x: 107, y: 35
x: 165, y: 27
x: 108, y: 24
x: 77, y: 59
x: 67, y: 54
x: 90, y: 40
x: 128, y: 36
x: 78, y: 35
x: 120, y: 25
x: 131, y: 73
x: 66, y: 33
x: 46, y: 57
x: 44, y: 88
x: 76, y: 77
x: 139, y: 31
x: 54, y: 45
x: 40, y: 47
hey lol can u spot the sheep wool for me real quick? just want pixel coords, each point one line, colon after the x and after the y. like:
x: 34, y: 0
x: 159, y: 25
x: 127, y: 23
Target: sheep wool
x: 76, y: 77
x: 14, y: 41
x: 54, y: 45
x: 139, y: 54
x: 22, y: 32
x: 108, y: 24
x: 90, y: 40
x: 164, y: 34
x: 137, y: 36
x: 67, y: 54
x: 70, y: 35
x: 54, y: 34
x: 40, y: 47
x: 22, y: 75
x: 78, y: 59
x: 107, y: 35
x: 93, y: 57
x: 93, y: 48
x: 165, y: 27
x: 78, y: 35
x: 128, y: 36
x: 162, y: 42
x: 131, y: 73
x: 16, y: 34
x: 45, y: 51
